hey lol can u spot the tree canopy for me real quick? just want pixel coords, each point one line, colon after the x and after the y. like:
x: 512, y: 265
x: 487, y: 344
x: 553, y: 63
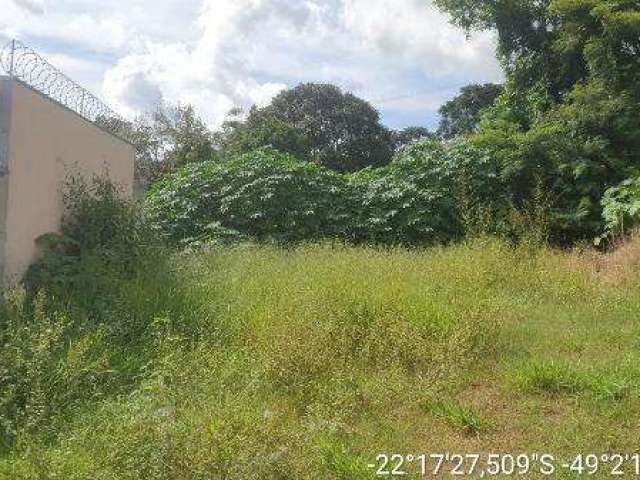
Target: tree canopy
x: 462, y: 114
x: 170, y: 138
x: 409, y: 135
x: 568, y: 120
x: 319, y: 123
x: 557, y: 43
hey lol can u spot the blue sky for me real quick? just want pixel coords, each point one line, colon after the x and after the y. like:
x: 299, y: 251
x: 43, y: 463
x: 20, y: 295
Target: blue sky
x: 402, y: 55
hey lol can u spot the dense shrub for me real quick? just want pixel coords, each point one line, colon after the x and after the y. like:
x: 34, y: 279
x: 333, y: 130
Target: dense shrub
x: 264, y: 194
x: 99, y: 224
x: 573, y: 151
x: 94, y: 302
x: 536, y: 168
x: 621, y: 208
x: 106, y: 265
x: 409, y: 201
x: 429, y: 193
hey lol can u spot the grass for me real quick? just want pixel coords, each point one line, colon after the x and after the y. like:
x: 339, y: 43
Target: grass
x: 259, y: 362
x: 458, y: 416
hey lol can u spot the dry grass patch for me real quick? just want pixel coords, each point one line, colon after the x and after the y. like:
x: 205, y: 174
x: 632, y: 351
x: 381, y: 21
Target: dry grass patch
x: 620, y: 266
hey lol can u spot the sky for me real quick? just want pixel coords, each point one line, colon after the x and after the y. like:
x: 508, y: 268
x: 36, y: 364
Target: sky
x: 401, y: 55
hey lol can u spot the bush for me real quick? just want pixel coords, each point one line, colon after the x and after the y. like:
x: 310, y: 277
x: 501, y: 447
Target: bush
x: 94, y: 304
x: 621, y: 208
x: 573, y: 151
x: 429, y: 193
x: 264, y: 194
x: 99, y: 224
x: 410, y: 201
x: 107, y: 265
x: 99, y: 216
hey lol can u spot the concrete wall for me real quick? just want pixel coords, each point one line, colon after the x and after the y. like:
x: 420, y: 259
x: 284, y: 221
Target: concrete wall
x: 46, y: 142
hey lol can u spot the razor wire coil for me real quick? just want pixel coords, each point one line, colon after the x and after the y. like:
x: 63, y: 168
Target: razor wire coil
x: 23, y: 63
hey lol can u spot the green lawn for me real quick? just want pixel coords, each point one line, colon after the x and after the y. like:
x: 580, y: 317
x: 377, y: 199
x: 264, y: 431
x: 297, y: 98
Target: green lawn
x: 258, y: 362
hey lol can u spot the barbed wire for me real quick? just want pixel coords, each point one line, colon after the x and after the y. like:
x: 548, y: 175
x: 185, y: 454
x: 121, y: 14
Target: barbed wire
x: 22, y: 62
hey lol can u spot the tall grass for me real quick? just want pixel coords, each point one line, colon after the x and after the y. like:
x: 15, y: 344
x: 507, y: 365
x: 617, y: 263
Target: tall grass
x: 259, y: 362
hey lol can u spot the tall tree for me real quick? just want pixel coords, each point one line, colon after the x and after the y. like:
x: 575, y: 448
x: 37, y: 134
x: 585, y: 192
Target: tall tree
x: 462, y: 114
x: 568, y: 122
x: 556, y: 43
x: 320, y: 123
x: 527, y: 32
x: 170, y: 138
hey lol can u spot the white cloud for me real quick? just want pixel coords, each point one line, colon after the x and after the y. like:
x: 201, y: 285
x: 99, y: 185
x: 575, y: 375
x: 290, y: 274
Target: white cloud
x: 219, y: 70
x: 107, y: 27
x: 414, y: 33
x: 218, y: 54
x: 32, y: 6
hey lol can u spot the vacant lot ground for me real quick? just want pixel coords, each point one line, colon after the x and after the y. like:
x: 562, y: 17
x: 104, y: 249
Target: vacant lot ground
x: 306, y: 363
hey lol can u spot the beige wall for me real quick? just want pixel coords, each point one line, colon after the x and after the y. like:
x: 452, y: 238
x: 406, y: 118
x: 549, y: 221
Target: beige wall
x: 46, y: 142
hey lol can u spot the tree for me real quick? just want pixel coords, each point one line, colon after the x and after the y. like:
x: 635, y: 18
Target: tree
x: 606, y: 34
x: 462, y: 114
x: 557, y: 43
x: 319, y: 123
x: 527, y: 30
x: 260, y: 129
x: 567, y: 121
x: 408, y: 136
x: 184, y: 136
x: 172, y: 137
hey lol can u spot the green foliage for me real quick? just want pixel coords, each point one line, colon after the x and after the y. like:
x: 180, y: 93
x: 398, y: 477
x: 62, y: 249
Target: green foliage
x: 405, y: 137
x: 172, y: 137
x: 98, y: 215
x: 527, y: 32
x: 315, y: 122
x: 414, y: 199
x: 621, y: 208
x: 99, y: 224
x: 606, y: 33
x: 568, y: 120
x: 261, y: 129
x: 428, y: 194
x: 573, y: 151
x: 406, y: 202
x: 65, y: 349
x: 264, y: 194
x: 461, y: 115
